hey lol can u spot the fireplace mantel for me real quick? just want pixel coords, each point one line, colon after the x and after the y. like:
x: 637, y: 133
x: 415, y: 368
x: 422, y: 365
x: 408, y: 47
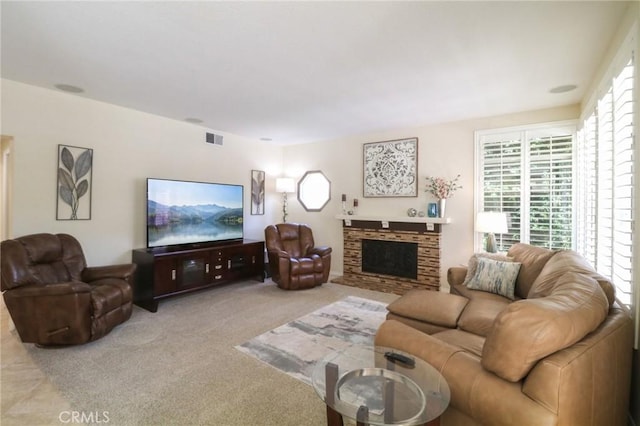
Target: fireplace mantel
x: 405, y: 223
x: 402, y: 219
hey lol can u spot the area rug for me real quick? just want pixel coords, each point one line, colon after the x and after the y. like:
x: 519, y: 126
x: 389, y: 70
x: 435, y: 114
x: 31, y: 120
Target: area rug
x: 295, y: 347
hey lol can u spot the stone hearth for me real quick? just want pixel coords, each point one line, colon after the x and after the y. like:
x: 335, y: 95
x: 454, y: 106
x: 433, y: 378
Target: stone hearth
x: 425, y: 235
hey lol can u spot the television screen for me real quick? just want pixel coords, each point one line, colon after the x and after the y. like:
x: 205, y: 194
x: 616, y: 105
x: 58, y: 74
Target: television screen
x: 183, y: 212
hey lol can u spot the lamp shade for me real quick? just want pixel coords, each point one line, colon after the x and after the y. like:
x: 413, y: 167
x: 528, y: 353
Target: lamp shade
x: 285, y: 184
x: 491, y: 222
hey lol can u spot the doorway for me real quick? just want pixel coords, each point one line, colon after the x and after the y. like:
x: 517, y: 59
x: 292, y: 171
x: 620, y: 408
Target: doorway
x: 6, y: 183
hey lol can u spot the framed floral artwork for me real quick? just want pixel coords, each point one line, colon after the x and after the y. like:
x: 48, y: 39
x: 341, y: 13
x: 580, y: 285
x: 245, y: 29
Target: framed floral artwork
x: 74, y: 183
x: 391, y: 168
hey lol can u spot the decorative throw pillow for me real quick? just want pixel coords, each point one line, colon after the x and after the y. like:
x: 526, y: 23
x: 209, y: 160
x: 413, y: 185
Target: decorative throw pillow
x: 473, y: 263
x: 495, y: 276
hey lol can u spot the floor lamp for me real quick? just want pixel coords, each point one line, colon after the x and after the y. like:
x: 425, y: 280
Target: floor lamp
x: 491, y: 223
x: 285, y: 185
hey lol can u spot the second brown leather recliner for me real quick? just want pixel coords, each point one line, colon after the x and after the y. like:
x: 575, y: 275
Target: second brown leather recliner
x: 294, y: 260
x: 54, y: 298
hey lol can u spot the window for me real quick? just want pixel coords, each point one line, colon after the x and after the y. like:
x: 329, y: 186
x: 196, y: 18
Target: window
x: 528, y: 174
x: 606, y: 182
x: 564, y: 192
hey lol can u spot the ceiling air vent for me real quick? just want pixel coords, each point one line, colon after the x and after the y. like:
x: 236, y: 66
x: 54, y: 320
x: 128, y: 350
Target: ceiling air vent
x: 214, y: 139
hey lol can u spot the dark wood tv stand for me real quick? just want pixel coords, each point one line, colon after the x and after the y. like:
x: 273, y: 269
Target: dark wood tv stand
x: 165, y: 272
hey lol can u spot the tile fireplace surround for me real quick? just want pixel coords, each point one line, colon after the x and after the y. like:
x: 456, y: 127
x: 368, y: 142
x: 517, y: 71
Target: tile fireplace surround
x: 425, y: 232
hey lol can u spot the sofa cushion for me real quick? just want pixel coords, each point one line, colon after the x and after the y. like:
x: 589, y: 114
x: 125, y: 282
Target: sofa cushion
x: 431, y: 306
x: 528, y: 330
x: 470, y: 342
x: 532, y: 261
x: 481, y: 311
x: 563, y: 262
x: 495, y: 276
x: 423, y: 326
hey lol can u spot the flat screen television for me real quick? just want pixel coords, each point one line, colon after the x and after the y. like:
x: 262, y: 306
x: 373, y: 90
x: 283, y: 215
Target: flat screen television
x: 181, y: 213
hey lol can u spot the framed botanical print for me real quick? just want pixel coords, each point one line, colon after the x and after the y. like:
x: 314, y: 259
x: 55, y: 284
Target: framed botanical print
x: 257, y: 192
x: 391, y: 168
x: 74, y: 183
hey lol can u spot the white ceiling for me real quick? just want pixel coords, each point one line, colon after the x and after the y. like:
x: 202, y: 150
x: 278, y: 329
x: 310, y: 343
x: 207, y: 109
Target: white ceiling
x: 300, y: 72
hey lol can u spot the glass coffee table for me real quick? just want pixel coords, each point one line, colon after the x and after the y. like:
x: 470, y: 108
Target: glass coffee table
x: 380, y: 386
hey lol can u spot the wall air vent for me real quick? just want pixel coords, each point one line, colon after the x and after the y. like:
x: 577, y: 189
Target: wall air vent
x: 214, y: 139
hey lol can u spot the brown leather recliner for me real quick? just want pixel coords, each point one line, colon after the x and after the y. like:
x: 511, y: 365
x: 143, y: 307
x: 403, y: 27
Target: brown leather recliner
x: 294, y: 260
x: 54, y: 298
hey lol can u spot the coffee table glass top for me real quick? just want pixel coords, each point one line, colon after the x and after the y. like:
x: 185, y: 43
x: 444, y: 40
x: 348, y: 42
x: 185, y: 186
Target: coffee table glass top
x: 381, y: 386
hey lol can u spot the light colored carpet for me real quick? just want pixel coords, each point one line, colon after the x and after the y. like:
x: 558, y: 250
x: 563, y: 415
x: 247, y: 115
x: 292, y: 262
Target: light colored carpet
x: 179, y: 366
x: 294, y: 348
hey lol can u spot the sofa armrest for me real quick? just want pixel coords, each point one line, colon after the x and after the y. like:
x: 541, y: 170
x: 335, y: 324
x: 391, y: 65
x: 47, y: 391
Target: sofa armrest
x: 433, y: 307
x: 321, y: 250
x: 123, y: 271
x: 476, y: 393
x: 60, y: 289
x: 456, y: 275
x: 599, y: 366
x: 278, y: 254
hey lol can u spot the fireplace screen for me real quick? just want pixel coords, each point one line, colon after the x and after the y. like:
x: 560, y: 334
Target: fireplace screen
x: 395, y: 258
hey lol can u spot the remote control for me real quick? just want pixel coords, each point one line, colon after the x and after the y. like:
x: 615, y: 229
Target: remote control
x: 402, y: 359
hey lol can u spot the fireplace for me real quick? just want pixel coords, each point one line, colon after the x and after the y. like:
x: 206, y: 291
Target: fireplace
x: 405, y: 254
x: 395, y: 258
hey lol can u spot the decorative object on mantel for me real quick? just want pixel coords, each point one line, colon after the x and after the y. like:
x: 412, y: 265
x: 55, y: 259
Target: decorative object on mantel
x: 74, y: 182
x: 355, y: 206
x: 285, y: 185
x: 390, y: 168
x: 442, y: 205
x: 442, y: 189
x: 432, y: 210
x: 344, y: 203
x: 491, y: 223
x: 412, y: 212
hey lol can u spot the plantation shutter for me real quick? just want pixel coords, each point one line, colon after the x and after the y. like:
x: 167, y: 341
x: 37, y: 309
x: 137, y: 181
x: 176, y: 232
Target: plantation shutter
x: 587, y: 193
x: 623, y: 176
x: 605, y: 217
x: 528, y: 174
x: 551, y: 190
x: 501, y: 181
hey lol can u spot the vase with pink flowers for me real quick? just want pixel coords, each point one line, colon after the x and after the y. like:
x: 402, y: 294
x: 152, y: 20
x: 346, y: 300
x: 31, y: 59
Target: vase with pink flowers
x: 442, y: 189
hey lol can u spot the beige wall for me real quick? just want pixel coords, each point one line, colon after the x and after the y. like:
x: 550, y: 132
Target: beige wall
x: 443, y: 150
x: 129, y: 146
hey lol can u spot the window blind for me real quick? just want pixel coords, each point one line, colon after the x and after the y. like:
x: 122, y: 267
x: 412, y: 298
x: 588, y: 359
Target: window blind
x: 551, y: 191
x: 606, y: 176
x: 528, y: 174
x: 501, y: 183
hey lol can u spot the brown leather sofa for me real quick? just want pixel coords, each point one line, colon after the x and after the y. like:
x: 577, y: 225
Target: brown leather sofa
x: 559, y: 354
x: 294, y: 260
x: 54, y: 298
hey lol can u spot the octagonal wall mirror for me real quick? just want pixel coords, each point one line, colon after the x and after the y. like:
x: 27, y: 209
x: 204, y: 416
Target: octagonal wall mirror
x: 314, y: 191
